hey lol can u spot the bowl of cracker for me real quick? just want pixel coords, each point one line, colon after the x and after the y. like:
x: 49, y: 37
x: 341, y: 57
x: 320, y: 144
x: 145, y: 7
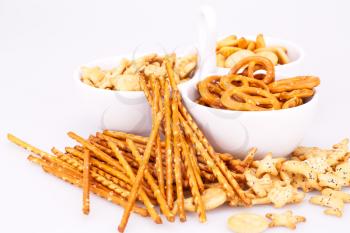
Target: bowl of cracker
x: 253, y: 106
x: 112, y: 87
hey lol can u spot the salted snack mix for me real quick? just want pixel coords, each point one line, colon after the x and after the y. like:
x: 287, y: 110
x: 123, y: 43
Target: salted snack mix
x: 251, y: 86
x: 176, y: 170
x: 126, y: 76
x: 231, y: 50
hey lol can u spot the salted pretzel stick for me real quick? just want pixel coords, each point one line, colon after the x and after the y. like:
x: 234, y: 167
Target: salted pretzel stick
x: 117, y: 173
x: 151, y: 181
x: 35, y: 150
x: 26, y: 146
x: 140, y: 173
x: 108, y: 151
x: 197, y: 199
x: 98, y: 153
x: 153, y: 213
x: 222, y: 166
x: 123, y: 136
x: 145, y: 89
x: 210, y: 162
x: 120, y: 176
x: 122, y: 145
x: 76, y: 180
x: 194, y: 163
x: 103, y: 180
x: 168, y: 147
x: 155, y: 109
x: 86, y: 183
x: 177, y: 161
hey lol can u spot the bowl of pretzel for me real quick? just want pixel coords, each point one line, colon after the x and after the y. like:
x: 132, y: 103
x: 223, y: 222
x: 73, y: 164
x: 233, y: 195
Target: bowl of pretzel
x: 112, y: 87
x: 251, y: 105
x: 285, y: 55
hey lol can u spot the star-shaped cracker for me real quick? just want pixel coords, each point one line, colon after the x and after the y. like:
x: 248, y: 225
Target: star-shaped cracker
x: 319, y: 164
x: 286, y: 219
x: 260, y: 186
x: 267, y: 165
x: 337, y: 194
x: 281, y: 195
x: 302, y: 168
x: 335, y: 205
x: 331, y: 180
x: 342, y: 170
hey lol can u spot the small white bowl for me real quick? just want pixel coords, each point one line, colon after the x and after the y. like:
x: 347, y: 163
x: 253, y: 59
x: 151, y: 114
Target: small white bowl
x: 295, y: 53
x: 235, y: 132
x: 126, y: 111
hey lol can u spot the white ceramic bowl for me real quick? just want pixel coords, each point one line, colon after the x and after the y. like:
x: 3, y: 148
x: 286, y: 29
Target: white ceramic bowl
x: 279, y: 131
x: 126, y: 111
x: 295, y: 54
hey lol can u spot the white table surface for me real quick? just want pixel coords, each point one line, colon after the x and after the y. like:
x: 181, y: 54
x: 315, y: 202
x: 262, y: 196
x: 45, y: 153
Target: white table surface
x: 42, y: 41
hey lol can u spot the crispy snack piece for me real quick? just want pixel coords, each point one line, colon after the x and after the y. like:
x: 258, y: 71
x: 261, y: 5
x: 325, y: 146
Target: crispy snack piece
x: 168, y: 146
x: 207, y: 96
x: 212, y: 198
x: 227, y: 51
x: 140, y: 174
x: 342, y: 170
x: 231, y: 81
x: 252, y: 62
x: 268, y: 165
x: 153, y: 213
x: 247, y: 223
x: 260, y: 41
x: 76, y: 179
x: 293, y: 102
x: 302, y: 168
x: 280, y: 196
x: 235, y: 57
x: 197, y: 199
x: 337, y: 194
x: 156, y: 107
x: 331, y: 180
x: 86, y: 183
x: 290, y: 84
x: 152, y: 182
x: 336, y: 205
x: 269, y: 55
x: 286, y: 219
x: 251, y: 99
x: 298, y: 93
x: 177, y: 160
x: 260, y: 186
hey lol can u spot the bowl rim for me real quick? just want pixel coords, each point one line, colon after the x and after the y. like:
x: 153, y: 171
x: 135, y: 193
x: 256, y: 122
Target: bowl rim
x: 289, y: 43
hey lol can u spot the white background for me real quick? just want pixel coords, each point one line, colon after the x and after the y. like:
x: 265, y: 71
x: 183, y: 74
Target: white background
x: 42, y: 41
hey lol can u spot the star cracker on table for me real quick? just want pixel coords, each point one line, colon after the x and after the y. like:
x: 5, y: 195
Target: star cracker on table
x: 286, y: 219
x: 299, y: 167
x: 335, y: 204
x: 260, y: 186
x: 343, y: 170
x: 280, y: 196
x: 337, y: 194
x: 267, y: 165
x: 331, y: 180
x: 318, y: 164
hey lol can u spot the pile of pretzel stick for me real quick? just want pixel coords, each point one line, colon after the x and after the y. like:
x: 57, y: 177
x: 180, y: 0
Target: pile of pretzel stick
x: 251, y: 86
x: 177, y: 169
